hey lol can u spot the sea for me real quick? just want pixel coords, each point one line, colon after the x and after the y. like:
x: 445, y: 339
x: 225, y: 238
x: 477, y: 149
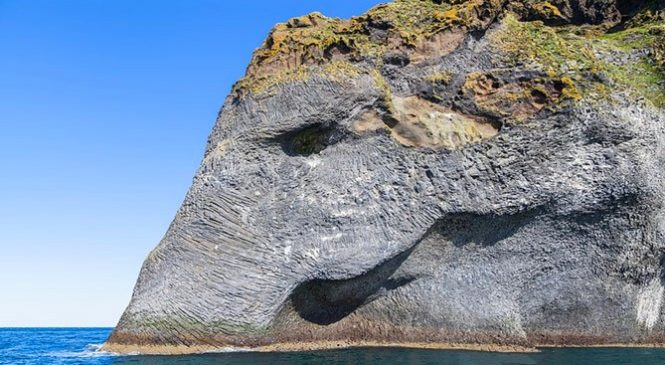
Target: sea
x: 69, y: 346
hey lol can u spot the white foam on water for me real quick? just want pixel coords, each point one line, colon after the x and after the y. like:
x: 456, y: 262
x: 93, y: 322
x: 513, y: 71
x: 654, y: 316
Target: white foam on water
x: 649, y: 302
x: 91, y: 350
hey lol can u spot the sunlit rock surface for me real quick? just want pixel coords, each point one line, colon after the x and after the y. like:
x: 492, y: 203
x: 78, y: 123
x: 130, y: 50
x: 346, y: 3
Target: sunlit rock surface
x: 463, y: 172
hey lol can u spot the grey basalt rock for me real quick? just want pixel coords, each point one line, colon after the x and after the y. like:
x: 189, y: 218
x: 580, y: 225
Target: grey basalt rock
x: 452, y: 196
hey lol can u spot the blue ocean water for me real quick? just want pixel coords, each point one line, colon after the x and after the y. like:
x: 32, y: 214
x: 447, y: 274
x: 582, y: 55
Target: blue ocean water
x: 69, y: 346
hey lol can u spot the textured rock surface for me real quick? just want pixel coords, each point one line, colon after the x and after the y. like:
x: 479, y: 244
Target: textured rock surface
x: 478, y: 171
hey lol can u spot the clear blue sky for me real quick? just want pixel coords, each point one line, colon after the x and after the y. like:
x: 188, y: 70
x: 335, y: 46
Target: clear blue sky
x: 105, y: 108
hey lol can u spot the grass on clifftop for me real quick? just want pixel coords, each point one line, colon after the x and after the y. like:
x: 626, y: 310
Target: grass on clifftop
x: 314, y: 40
x: 585, y: 60
x: 630, y: 60
x: 646, y: 72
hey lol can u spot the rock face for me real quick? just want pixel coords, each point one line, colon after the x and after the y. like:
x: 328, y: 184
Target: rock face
x: 475, y: 172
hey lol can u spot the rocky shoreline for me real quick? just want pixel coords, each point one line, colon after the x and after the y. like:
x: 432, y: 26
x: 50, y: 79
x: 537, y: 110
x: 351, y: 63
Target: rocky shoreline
x: 307, y: 346
x: 331, y: 345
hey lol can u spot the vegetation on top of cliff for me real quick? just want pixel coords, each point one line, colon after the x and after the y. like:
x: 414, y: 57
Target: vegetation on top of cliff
x: 315, y: 39
x: 536, y: 46
x: 644, y: 48
x: 652, y: 11
x: 589, y: 64
x: 576, y: 54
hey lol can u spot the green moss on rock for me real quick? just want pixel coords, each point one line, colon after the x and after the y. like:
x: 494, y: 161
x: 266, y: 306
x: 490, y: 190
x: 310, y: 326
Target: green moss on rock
x: 645, y: 71
x: 570, y: 54
x: 584, y: 63
x: 317, y: 40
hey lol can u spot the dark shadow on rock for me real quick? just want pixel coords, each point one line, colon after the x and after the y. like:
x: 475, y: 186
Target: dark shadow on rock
x: 483, y: 229
x: 328, y: 301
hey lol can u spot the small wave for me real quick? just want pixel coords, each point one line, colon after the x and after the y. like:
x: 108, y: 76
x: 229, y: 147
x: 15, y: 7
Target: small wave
x: 90, y: 350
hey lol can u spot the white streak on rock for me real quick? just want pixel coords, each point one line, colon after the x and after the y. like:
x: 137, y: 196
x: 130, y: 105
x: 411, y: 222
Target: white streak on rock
x: 649, y: 302
x: 331, y: 237
x: 313, y: 162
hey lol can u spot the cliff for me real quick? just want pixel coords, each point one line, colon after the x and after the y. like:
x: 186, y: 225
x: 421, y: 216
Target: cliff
x: 431, y: 173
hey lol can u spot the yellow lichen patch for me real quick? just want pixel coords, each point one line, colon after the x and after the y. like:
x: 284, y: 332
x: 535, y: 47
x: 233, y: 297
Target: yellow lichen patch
x: 340, y: 70
x: 437, y: 79
x: 384, y: 87
x: 256, y: 85
x: 449, y: 15
x: 516, y: 100
x: 411, y: 19
x: 474, y: 14
x: 573, y: 60
x: 546, y: 11
x: 422, y: 28
x: 306, y: 20
x: 441, y: 77
x: 308, y: 40
x: 425, y: 124
x: 569, y: 90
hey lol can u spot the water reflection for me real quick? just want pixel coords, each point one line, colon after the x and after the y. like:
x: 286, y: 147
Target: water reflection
x: 383, y: 356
